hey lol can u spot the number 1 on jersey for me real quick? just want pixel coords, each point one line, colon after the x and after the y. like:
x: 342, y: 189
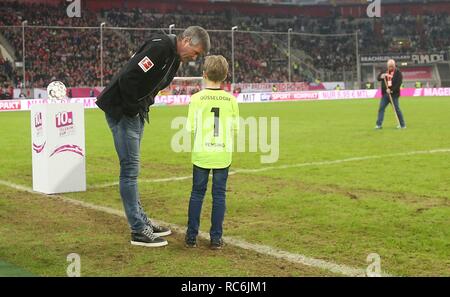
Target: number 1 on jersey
x: 216, y: 111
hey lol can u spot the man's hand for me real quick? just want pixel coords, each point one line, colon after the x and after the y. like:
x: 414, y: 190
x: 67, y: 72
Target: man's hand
x: 388, y: 90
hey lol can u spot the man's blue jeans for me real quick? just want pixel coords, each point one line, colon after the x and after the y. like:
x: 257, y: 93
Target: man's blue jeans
x: 199, y: 184
x: 127, y: 134
x: 385, y: 102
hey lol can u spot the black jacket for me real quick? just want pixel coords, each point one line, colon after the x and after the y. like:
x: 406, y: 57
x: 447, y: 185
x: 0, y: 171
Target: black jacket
x: 151, y: 69
x: 397, y: 81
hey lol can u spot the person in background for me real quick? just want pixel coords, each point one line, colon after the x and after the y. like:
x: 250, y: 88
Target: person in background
x: 394, y: 79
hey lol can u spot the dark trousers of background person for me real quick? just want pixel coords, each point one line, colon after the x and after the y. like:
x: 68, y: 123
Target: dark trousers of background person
x: 127, y: 134
x: 385, y: 102
x: 199, y: 185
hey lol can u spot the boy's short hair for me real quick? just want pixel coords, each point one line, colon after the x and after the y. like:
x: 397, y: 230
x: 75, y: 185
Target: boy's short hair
x: 216, y: 68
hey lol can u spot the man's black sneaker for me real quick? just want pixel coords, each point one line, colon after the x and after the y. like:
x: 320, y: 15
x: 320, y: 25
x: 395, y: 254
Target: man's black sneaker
x: 160, y: 230
x: 147, y: 238
x: 190, y: 242
x: 216, y: 244
x: 157, y: 229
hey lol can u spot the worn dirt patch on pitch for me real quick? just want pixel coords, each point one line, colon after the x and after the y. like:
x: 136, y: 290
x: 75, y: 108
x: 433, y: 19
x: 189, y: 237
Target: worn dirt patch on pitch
x: 271, y: 184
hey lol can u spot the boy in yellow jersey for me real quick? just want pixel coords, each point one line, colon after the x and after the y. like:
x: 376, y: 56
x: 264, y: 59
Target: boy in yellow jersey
x: 213, y: 119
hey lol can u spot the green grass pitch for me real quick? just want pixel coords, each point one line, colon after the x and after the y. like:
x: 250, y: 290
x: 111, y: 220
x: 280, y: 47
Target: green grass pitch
x: 397, y: 206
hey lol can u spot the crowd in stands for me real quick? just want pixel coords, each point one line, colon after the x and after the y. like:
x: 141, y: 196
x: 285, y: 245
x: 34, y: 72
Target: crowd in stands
x: 8, y: 78
x: 72, y: 55
x: 64, y: 54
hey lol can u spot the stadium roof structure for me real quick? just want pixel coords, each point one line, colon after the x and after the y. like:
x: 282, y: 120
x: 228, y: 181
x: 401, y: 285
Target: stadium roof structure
x: 324, y: 2
x: 278, y: 2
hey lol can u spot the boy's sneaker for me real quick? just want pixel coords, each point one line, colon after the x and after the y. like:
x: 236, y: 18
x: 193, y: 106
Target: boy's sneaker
x: 401, y: 127
x: 147, y: 238
x: 190, y: 242
x: 216, y: 244
x: 157, y: 229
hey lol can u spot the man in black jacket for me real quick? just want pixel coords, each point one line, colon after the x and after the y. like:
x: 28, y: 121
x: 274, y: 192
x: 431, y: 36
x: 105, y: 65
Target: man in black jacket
x: 126, y: 101
x: 394, y: 79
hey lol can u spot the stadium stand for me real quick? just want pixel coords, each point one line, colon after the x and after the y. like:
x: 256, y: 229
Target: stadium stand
x: 72, y: 54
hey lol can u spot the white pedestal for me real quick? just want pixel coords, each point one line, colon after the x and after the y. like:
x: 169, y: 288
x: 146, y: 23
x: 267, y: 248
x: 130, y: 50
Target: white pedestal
x: 58, y: 148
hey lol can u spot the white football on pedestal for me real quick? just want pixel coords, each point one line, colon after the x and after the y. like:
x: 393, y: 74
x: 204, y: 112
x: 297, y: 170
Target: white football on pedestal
x: 56, y: 90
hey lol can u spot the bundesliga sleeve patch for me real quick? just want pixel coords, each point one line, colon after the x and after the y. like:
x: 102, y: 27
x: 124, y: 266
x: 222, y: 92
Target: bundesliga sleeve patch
x: 146, y: 64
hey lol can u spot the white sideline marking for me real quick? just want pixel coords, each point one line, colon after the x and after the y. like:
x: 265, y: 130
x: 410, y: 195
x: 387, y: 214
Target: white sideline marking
x: 261, y: 249
x: 318, y: 163
x: 157, y: 180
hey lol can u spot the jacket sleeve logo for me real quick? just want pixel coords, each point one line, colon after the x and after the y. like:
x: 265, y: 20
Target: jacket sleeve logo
x: 146, y: 64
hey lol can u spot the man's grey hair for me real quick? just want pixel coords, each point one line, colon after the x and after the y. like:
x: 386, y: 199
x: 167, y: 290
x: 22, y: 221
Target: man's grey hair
x: 198, y: 35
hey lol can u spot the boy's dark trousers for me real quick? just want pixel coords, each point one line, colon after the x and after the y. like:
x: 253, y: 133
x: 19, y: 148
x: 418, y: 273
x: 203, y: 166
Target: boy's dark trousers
x: 199, y: 184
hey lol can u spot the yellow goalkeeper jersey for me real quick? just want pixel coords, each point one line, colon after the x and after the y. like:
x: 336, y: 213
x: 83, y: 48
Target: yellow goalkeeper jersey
x: 213, y: 118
